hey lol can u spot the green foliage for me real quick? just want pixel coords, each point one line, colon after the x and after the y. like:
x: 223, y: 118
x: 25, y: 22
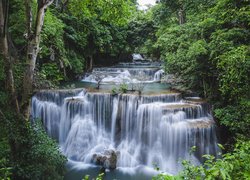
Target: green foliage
x: 76, y: 62
x: 123, y: 88
x: 17, y: 23
x: 233, y: 165
x: 2, y: 73
x: 3, y: 97
x: 52, y: 73
x: 115, y: 11
x: 99, y: 177
x: 236, y: 117
x: 165, y: 177
x: 52, y: 43
x: 210, y: 52
x: 141, y: 33
x: 95, y: 29
x: 186, y: 55
x: 234, y: 70
x: 75, y: 32
x: 40, y: 81
x: 5, y: 168
x: 18, y: 69
x: 84, y: 29
x: 36, y: 156
x: 114, y: 90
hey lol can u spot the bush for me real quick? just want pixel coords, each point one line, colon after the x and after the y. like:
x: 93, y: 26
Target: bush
x: 34, y: 155
x: 114, y: 90
x: 235, y: 117
x: 5, y: 168
x: 52, y: 73
x: 234, y: 70
x: 123, y: 88
x: 235, y: 165
x: 76, y: 62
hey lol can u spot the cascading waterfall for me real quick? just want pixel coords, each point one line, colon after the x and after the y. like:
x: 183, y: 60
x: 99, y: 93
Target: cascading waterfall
x: 158, y: 75
x: 144, y: 130
x: 121, y: 73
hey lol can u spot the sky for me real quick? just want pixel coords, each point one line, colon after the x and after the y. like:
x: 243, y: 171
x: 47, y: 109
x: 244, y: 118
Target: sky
x: 142, y: 3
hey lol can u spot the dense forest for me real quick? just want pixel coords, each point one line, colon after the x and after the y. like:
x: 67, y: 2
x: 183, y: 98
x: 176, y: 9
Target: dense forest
x: 203, y: 43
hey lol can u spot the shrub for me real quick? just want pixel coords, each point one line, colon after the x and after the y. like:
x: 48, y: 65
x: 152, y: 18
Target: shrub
x: 52, y: 73
x: 34, y: 154
x: 235, y: 117
x: 123, y: 88
x: 235, y: 165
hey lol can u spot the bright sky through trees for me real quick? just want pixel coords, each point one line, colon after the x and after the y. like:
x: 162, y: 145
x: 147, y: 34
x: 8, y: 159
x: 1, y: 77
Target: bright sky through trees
x: 143, y: 3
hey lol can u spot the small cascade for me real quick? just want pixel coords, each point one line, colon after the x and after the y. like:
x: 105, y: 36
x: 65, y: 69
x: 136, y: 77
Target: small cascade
x: 144, y: 130
x: 137, y: 57
x: 117, y: 75
x: 137, y: 71
x: 158, y: 75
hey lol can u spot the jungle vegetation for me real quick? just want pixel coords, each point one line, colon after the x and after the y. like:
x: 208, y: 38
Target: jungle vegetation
x: 46, y: 42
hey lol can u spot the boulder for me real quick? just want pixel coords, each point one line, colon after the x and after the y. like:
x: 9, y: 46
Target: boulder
x: 108, y: 159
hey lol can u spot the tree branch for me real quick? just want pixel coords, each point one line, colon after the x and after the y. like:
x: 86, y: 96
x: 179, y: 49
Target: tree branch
x: 48, y: 3
x: 29, y: 18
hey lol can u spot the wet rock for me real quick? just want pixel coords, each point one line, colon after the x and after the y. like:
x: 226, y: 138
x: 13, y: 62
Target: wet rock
x: 108, y: 159
x: 201, y: 124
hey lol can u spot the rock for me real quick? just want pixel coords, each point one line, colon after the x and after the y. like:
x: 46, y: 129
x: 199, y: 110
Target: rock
x: 108, y: 159
x: 202, y: 124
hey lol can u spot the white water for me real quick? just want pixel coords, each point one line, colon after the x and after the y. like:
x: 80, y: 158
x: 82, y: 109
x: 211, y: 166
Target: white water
x: 158, y: 75
x: 124, y: 75
x: 144, y: 130
x: 137, y: 57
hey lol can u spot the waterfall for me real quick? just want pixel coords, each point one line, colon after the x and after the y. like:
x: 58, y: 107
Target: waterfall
x: 126, y: 72
x: 144, y: 130
x: 118, y: 75
x: 137, y: 57
x: 158, y: 75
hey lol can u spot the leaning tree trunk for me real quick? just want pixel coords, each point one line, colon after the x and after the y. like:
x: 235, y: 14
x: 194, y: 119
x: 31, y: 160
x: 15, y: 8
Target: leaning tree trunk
x: 4, y: 48
x: 33, y: 41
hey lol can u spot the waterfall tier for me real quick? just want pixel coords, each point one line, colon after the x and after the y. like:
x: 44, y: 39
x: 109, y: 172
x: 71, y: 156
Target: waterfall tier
x: 143, y: 130
x: 118, y: 75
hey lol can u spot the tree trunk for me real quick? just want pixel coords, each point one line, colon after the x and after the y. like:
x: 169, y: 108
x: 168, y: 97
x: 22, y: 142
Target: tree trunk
x: 4, y: 47
x: 64, y: 5
x: 90, y: 63
x: 57, y: 3
x: 204, y: 88
x: 32, y: 50
x: 181, y: 16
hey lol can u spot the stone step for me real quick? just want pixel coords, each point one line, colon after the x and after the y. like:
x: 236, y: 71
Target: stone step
x: 192, y: 111
x: 200, y: 123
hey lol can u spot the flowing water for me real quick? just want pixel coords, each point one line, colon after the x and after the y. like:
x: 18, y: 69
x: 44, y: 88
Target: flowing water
x: 126, y: 73
x: 145, y: 131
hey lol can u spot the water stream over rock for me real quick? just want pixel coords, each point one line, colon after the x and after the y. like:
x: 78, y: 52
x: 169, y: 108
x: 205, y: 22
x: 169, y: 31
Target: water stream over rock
x: 127, y: 130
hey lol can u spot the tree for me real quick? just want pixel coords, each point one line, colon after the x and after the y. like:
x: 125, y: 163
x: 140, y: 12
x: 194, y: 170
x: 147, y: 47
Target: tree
x: 27, y: 145
x: 101, y: 16
x: 181, y: 7
x: 33, y: 43
x: 141, y: 32
x: 4, y: 46
x: 176, y: 6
